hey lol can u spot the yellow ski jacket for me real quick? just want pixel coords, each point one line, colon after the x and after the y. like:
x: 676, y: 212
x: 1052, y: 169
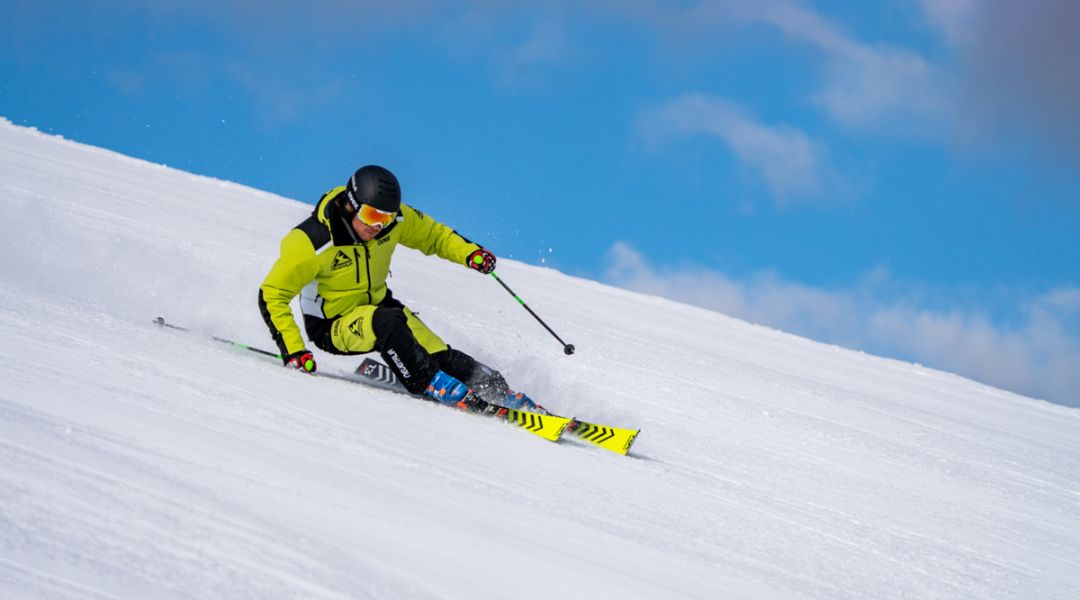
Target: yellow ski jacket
x: 348, y: 272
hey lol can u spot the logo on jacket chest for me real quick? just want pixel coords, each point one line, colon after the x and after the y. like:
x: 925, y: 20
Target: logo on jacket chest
x: 341, y: 261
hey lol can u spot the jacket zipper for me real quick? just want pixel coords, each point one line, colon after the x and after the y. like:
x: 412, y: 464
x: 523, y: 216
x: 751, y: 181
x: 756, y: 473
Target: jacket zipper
x: 367, y: 269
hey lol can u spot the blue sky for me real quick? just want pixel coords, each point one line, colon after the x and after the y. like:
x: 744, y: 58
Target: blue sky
x: 897, y: 176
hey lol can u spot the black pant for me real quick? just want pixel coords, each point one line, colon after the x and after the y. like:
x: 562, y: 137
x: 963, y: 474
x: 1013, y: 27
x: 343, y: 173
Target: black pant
x: 414, y: 366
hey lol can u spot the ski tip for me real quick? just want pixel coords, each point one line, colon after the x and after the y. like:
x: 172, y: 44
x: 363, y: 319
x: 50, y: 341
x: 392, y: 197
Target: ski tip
x: 630, y: 442
x: 615, y: 439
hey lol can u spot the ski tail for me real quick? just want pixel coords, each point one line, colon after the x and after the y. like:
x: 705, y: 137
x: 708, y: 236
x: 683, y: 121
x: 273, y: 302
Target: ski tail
x: 373, y: 372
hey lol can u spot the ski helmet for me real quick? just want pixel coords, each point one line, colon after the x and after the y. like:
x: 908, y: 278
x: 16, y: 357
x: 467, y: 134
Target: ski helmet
x: 374, y: 186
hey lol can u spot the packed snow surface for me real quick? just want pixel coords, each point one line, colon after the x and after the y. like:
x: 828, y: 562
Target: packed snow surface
x: 137, y: 462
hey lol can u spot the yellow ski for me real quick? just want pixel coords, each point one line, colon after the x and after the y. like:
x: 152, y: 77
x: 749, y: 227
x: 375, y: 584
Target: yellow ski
x: 549, y: 427
x: 609, y: 438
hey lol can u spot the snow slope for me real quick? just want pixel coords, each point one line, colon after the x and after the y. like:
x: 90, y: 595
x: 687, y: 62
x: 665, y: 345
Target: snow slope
x: 142, y: 463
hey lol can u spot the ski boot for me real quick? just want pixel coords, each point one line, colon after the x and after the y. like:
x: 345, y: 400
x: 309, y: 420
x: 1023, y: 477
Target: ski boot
x: 449, y: 390
x: 519, y: 401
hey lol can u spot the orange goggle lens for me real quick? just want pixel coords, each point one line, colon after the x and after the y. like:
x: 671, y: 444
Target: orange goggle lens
x: 371, y: 216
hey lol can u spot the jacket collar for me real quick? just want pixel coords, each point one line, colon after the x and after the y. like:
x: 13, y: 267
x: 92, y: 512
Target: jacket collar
x: 329, y: 213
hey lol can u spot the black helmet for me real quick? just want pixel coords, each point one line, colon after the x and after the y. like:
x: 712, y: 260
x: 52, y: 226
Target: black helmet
x: 374, y: 186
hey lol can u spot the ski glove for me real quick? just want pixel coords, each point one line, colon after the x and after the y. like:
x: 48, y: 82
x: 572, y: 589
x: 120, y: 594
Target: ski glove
x: 482, y: 261
x: 302, y: 360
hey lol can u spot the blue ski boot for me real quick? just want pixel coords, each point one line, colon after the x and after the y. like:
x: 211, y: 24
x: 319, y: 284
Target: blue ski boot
x: 447, y: 389
x: 519, y: 401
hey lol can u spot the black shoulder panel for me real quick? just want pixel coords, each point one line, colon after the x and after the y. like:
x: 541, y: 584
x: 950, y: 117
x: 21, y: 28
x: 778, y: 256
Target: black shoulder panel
x: 316, y: 232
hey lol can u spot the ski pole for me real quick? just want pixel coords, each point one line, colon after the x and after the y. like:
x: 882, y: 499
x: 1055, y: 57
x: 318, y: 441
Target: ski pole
x: 160, y: 322
x: 567, y: 348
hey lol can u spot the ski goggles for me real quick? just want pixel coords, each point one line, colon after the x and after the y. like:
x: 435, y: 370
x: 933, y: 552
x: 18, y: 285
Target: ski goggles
x: 371, y: 216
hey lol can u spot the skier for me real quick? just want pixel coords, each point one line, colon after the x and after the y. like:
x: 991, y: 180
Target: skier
x: 338, y: 260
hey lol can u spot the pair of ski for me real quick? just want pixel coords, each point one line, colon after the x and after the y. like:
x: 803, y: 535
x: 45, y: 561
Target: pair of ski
x: 548, y: 426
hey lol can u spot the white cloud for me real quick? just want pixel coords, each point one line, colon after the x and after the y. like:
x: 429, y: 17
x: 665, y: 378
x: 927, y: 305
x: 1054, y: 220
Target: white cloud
x: 1040, y: 357
x: 791, y: 164
x: 1065, y: 302
x: 865, y: 86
